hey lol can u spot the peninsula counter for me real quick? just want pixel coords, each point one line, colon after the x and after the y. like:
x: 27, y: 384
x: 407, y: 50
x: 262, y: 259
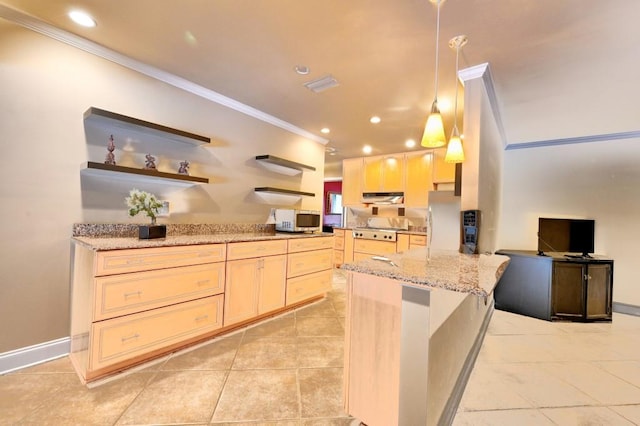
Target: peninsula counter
x: 413, y: 330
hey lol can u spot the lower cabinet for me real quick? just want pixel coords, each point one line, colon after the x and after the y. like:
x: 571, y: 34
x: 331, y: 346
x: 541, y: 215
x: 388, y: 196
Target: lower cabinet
x: 255, y: 285
x: 364, y: 249
x: 554, y: 287
x: 309, y: 268
x: 410, y: 241
x: 581, y: 290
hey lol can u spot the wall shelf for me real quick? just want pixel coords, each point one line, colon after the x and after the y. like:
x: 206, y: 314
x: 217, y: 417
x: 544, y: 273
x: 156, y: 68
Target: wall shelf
x: 104, y: 118
x: 280, y: 165
x: 106, y: 170
x: 281, y: 196
x: 280, y: 191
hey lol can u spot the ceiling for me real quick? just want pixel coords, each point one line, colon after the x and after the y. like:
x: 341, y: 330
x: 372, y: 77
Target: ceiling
x: 557, y: 65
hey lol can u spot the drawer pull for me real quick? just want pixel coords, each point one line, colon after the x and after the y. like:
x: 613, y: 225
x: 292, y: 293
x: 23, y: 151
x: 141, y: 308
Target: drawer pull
x: 133, y: 293
x: 134, y: 261
x: 133, y: 336
x: 300, y: 265
x: 203, y: 254
x: 202, y: 317
x: 203, y: 282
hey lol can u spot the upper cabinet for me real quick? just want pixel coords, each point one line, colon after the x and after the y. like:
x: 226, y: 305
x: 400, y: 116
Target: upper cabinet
x: 419, y: 178
x: 414, y: 173
x: 384, y: 173
x: 134, y: 128
x: 351, y: 181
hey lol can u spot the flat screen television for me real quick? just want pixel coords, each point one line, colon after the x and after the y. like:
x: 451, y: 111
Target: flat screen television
x: 566, y: 235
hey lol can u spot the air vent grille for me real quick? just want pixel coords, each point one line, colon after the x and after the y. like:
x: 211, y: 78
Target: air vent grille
x: 321, y: 84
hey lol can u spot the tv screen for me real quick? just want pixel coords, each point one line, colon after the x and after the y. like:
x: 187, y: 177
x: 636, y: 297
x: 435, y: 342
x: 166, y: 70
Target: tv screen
x: 566, y: 235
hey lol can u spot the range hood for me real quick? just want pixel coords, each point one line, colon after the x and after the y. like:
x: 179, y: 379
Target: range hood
x: 383, y: 197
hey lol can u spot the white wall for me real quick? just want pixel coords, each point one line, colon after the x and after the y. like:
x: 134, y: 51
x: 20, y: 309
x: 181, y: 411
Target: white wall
x: 46, y: 87
x: 597, y: 180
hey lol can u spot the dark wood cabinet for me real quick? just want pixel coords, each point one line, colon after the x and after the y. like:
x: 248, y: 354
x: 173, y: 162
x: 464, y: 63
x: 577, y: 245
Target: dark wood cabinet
x: 556, y: 287
x: 581, y: 289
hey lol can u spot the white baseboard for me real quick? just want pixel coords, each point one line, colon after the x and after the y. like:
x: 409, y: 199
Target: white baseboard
x: 32, y: 355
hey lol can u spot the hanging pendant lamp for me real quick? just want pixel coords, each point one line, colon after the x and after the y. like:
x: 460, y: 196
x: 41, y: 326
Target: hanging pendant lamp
x: 433, y: 136
x: 455, y: 152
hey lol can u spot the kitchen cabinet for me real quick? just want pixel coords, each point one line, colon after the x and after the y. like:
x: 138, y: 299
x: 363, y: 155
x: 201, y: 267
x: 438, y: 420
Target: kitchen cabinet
x: 255, y: 279
x: 309, y: 268
x: 364, y: 249
x: 352, y: 181
x: 443, y: 172
x: 133, y: 128
x: 419, y: 180
x: 555, y: 287
x: 338, y: 247
x: 406, y: 242
x: 384, y: 173
x: 130, y: 305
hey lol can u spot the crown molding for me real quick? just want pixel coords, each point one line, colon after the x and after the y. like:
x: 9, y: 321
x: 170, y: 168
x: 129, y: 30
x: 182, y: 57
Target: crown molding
x: 58, y: 34
x: 483, y: 72
x: 574, y: 140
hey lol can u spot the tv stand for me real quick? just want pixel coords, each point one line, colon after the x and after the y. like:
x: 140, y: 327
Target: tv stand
x: 579, y: 256
x: 556, y: 286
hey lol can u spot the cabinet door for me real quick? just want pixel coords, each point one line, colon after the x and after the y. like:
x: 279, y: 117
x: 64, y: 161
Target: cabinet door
x: 402, y: 243
x: 598, y: 291
x: 372, y: 174
x: 351, y: 181
x: 568, y: 290
x: 419, y: 179
x: 240, y: 295
x: 393, y: 172
x: 272, y: 284
x: 443, y: 172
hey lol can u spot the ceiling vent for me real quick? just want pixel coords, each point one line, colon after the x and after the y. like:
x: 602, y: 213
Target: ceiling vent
x: 321, y: 84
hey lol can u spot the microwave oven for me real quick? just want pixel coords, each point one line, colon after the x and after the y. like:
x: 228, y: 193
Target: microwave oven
x: 292, y: 220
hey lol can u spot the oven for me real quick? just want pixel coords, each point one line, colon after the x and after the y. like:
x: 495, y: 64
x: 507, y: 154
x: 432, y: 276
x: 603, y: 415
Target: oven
x: 378, y: 238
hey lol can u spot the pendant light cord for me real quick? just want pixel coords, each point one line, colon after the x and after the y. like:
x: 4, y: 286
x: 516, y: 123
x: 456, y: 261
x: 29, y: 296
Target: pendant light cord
x: 437, y: 47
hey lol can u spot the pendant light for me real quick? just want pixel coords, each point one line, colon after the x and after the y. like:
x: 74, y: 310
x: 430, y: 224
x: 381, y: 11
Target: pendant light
x: 433, y: 136
x: 455, y: 153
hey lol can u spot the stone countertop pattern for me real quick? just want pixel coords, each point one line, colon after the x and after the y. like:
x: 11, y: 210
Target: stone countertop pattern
x: 477, y: 274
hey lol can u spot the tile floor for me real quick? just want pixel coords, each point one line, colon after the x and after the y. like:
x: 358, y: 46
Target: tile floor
x: 288, y: 371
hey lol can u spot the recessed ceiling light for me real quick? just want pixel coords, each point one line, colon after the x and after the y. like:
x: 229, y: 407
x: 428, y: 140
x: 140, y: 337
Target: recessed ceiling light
x: 302, y: 69
x: 325, y: 130
x: 375, y: 119
x: 410, y: 143
x: 367, y: 149
x: 82, y: 18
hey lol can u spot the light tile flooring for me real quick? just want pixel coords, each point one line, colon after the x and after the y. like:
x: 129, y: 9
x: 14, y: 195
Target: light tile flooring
x: 288, y: 371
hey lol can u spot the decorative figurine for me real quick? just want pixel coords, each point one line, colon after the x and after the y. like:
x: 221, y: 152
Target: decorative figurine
x: 184, y: 168
x: 110, y: 158
x: 150, y: 163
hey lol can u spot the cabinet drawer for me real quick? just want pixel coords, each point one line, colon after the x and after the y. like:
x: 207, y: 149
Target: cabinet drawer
x: 309, y: 261
x: 250, y: 249
x: 123, y: 338
x: 124, y: 294
x: 417, y: 240
x: 145, y: 259
x: 338, y: 257
x: 374, y: 247
x: 312, y: 243
x: 307, y: 286
x: 339, y: 243
x: 338, y: 233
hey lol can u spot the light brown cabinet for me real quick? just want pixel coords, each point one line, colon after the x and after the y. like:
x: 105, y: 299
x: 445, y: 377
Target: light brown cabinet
x: 256, y: 279
x: 351, y: 181
x: 384, y: 173
x: 309, y: 268
x: 410, y: 241
x: 364, y: 249
x: 419, y: 178
x: 443, y: 172
x: 130, y: 305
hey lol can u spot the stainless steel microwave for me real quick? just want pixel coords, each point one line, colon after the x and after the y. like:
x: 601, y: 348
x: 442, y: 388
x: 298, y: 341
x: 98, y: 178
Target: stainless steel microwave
x: 292, y: 220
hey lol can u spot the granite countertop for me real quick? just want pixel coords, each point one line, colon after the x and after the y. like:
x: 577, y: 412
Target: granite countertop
x: 118, y: 243
x: 477, y: 274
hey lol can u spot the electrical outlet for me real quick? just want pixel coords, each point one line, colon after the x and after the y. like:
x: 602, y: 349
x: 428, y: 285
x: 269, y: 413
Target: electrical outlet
x: 164, y: 210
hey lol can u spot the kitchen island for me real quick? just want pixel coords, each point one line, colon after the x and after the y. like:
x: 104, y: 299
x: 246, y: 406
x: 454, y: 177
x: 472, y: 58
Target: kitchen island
x: 413, y: 330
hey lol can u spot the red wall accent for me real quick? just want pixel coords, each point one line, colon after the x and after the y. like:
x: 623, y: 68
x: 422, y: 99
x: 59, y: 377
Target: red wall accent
x: 331, y: 219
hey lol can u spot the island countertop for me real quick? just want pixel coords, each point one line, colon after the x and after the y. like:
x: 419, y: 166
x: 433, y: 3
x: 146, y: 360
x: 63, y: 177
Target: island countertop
x: 119, y: 243
x: 468, y: 273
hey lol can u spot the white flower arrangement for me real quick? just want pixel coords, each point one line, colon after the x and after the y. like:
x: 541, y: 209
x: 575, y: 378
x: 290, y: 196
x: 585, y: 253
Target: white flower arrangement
x: 141, y: 201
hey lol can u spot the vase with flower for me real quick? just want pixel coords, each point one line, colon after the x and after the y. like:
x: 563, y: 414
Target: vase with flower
x: 144, y: 202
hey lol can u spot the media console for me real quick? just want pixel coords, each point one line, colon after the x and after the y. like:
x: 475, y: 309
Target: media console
x: 556, y: 286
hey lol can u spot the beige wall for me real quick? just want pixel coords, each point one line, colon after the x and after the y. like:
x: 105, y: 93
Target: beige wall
x: 46, y: 87
x: 597, y: 180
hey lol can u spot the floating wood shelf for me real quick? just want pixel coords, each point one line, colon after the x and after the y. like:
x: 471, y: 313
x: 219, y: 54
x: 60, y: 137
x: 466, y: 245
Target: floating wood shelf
x: 101, y: 169
x: 272, y: 190
x: 280, y: 165
x: 111, y: 119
